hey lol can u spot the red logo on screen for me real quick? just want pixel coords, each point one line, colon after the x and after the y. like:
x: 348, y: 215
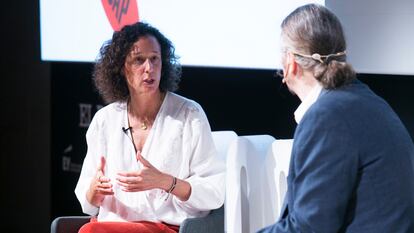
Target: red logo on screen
x: 120, y: 12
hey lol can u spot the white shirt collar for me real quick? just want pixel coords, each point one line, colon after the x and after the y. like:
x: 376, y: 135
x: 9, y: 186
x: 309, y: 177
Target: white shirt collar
x: 307, y: 102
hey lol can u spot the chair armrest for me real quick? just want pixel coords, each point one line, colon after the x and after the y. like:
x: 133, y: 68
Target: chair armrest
x: 213, y: 222
x: 68, y: 224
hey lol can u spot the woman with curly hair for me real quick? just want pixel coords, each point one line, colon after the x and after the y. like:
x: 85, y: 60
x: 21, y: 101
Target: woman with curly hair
x: 151, y: 161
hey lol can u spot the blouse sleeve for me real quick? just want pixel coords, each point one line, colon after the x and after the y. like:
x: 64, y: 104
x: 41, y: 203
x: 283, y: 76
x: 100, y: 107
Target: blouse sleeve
x: 90, y: 165
x: 207, y: 171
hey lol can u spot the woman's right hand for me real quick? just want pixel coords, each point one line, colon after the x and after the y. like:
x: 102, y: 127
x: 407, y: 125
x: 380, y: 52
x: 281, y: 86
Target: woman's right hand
x: 100, y: 186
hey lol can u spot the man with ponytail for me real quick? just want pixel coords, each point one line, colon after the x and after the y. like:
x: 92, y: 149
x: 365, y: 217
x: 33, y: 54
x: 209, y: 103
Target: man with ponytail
x: 352, y: 162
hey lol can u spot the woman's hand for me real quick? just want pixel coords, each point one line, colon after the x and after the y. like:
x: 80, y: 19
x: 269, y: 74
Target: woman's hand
x: 147, y: 178
x: 100, y: 186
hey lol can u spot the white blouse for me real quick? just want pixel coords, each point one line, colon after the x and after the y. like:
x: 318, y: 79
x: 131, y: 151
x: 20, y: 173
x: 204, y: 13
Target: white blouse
x: 179, y: 143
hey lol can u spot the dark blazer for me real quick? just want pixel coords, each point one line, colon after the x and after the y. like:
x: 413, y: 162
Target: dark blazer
x: 352, y: 167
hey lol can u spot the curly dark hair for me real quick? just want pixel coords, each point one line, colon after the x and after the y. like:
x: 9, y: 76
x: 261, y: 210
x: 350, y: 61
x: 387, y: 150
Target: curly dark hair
x: 108, y: 73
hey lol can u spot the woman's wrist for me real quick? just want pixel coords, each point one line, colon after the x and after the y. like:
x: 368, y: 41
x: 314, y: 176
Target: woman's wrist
x: 91, y: 198
x: 176, y: 187
x: 167, y: 182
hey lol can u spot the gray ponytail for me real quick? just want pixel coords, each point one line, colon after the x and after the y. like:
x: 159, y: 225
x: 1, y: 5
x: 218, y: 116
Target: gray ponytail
x: 334, y: 74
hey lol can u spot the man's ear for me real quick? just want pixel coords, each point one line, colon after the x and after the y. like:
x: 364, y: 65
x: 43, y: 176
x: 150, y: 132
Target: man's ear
x: 293, y: 65
x: 290, y: 66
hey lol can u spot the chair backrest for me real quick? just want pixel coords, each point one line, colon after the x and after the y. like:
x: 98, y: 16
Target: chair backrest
x: 222, y: 140
x: 277, y: 169
x: 247, y: 194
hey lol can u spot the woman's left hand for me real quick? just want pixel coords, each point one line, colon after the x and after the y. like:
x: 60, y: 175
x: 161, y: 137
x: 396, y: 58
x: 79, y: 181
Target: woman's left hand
x: 147, y: 178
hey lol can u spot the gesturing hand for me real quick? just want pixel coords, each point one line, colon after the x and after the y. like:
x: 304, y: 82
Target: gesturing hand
x: 147, y: 178
x: 100, y: 185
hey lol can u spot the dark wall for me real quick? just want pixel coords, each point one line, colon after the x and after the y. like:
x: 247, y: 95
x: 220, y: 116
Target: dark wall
x: 398, y: 92
x: 25, y: 122
x: 243, y: 100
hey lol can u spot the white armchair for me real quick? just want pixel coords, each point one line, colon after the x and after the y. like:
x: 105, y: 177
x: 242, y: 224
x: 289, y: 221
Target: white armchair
x: 214, y: 222
x: 246, y: 189
x: 222, y: 141
x: 277, y: 170
x: 257, y: 168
